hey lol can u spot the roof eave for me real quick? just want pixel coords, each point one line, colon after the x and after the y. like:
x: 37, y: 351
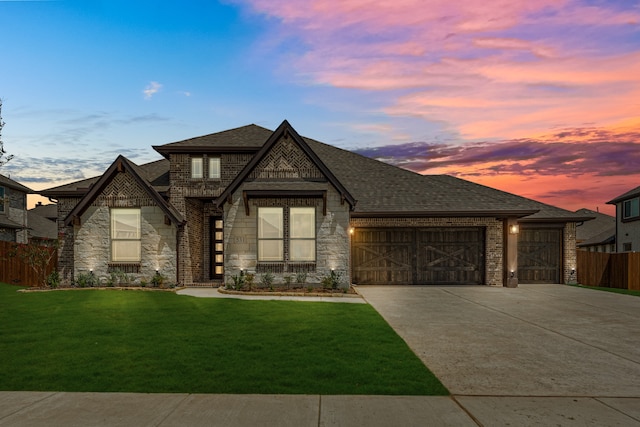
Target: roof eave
x: 202, y: 149
x: 429, y: 214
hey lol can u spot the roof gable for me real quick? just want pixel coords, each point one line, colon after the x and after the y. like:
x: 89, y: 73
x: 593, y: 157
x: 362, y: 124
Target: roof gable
x: 123, y: 165
x: 628, y: 195
x: 306, y: 164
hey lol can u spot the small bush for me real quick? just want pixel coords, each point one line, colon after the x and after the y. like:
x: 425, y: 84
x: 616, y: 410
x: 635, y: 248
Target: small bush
x: 86, y: 280
x: 287, y: 281
x: 301, y: 278
x: 236, y: 282
x: 332, y: 280
x: 158, y: 280
x: 248, y: 280
x: 266, y: 280
x: 53, y: 279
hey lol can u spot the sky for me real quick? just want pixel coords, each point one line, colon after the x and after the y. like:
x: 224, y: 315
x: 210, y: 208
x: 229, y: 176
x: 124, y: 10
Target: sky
x: 538, y: 98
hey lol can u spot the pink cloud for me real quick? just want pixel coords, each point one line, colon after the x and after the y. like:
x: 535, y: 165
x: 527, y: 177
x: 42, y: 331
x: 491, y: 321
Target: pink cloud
x: 499, y: 69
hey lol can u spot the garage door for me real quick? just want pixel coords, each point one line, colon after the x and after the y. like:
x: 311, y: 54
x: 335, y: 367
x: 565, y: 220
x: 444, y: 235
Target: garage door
x: 421, y: 256
x: 540, y: 255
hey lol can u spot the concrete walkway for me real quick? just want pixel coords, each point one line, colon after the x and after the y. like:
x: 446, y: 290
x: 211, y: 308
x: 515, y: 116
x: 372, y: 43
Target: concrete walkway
x: 535, y: 355
x: 214, y: 293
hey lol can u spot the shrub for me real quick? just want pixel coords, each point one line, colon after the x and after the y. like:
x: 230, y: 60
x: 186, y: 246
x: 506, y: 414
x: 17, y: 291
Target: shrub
x: 86, y: 280
x: 158, y: 280
x: 237, y: 282
x: 287, y: 281
x: 332, y: 280
x: 301, y: 278
x: 266, y: 280
x: 53, y: 279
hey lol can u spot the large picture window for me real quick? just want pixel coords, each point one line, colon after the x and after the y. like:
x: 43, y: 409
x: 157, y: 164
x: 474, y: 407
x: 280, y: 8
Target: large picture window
x: 286, y: 234
x: 125, y: 235
x: 631, y: 208
x: 270, y: 234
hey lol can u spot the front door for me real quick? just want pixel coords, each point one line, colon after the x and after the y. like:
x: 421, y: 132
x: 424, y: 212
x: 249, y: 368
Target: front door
x: 217, y: 248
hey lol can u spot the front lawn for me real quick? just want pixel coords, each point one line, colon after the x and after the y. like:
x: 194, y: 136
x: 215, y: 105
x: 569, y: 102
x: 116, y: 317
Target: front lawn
x: 157, y: 342
x: 614, y: 290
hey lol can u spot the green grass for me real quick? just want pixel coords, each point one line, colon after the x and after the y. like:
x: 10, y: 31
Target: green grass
x: 614, y: 290
x: 136, y: 341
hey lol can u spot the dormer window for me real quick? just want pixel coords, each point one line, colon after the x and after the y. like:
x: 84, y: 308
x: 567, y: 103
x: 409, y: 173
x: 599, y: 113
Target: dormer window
x: 196, y: 167
x: 214, y: 167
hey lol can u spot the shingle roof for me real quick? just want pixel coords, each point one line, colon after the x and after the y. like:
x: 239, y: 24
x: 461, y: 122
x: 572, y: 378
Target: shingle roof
x: 245, y: 138
x: 605, y: 237
x: 41, y: 227
x: 599, y: 224
x: 377, y: 187
x: 629, y: 194
x: 8, y: 223
x: 156, y: 172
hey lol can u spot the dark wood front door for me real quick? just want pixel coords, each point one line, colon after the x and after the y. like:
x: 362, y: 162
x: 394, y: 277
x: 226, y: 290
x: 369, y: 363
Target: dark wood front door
x: 540, y: 255
x: 421, y: 256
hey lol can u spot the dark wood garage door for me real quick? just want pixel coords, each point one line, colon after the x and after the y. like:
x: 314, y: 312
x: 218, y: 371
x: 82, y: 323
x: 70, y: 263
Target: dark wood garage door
x: 540, y: 255
x: 421, y: 256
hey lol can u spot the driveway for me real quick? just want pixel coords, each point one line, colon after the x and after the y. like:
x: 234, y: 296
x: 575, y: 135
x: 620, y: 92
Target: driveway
x: 534, y: 340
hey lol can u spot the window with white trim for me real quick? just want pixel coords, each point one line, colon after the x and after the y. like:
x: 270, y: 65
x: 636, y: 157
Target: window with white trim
x: 270, y: 234
x: 302, y: 234
x: 125, y: 235
x: 196, y: 167
x: 214, y: 167
x: 286, y: 234
x: 631, y: 208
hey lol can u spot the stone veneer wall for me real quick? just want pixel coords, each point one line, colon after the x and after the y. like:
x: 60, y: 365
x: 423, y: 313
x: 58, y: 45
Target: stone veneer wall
x: 91, y: 248
x: 332, y: 236
x: 494, y: 243
x: 570, y: 256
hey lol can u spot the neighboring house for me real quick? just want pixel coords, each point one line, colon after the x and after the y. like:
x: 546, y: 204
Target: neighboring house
x: 43, y: 223
x: 13, y: 210
x: 597, y: 235
x: 627, y: 221
x: 255, y: 200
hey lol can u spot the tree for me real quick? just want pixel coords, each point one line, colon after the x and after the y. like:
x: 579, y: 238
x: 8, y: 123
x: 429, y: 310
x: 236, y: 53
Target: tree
x: 4, y: 157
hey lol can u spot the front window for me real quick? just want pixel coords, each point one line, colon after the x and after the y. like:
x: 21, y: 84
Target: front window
x: 214, y: 168
x: 125, y: 235
x: 631, y: 208
x: 302, y: 234
x: 286, y: 234
x: 196, y: 167
x: 2, y: 201
x: 270, y: 234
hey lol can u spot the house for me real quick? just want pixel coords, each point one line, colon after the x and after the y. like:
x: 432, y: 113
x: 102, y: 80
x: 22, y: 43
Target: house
x: 43, y: 223
x: 597, y: 235
x: 13, y: 210
x: 255, y: 200
x: 627, y: 221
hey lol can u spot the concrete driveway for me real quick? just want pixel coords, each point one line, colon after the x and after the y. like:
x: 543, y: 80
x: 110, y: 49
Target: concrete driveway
x: 535, y: 340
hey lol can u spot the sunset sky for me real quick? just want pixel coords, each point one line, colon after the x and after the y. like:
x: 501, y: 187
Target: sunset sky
x: 539, y: 98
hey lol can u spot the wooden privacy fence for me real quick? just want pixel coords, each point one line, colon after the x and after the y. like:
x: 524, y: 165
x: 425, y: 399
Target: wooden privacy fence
x: 618, y: 270
x: 14, y: 270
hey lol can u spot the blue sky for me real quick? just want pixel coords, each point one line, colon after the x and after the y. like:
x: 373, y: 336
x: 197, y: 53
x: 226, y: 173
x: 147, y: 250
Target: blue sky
x: 540, y: 99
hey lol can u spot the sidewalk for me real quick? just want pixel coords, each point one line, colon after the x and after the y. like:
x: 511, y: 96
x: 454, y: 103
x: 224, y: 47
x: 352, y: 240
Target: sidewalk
x: 164, y: 410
